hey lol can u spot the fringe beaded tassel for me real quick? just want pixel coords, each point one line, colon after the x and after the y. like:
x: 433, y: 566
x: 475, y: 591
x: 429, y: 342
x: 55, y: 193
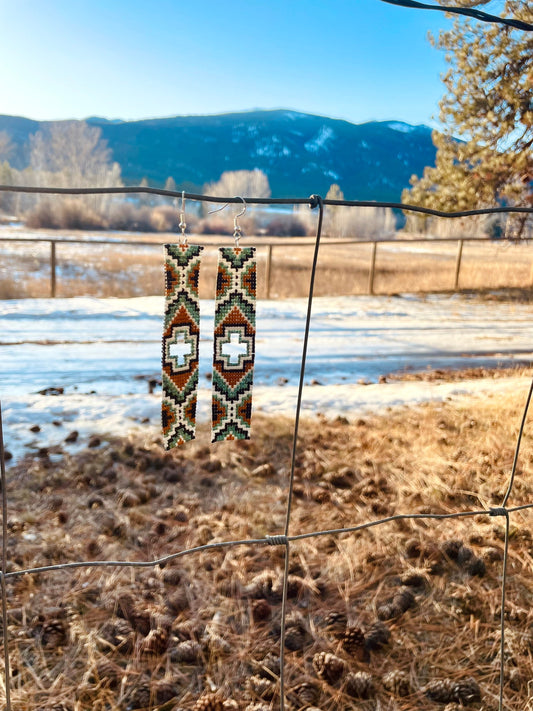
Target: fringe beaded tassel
x: 234, y: 344
x: 180, y: 343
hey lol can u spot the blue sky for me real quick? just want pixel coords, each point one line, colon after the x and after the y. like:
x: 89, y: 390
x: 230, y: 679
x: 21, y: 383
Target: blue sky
x: 359, y: 60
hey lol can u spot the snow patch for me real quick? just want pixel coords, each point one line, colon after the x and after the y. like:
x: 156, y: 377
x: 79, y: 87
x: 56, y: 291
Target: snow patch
x: 401, y: 127
x: 320, y: 140
x: 101, y: 355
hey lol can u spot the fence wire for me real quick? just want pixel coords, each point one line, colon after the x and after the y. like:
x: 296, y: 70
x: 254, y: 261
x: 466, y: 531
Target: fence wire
x: 285, y: 539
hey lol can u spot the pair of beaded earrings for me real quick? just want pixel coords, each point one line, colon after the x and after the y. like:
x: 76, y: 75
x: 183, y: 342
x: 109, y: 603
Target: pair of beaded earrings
x: 234, y: 340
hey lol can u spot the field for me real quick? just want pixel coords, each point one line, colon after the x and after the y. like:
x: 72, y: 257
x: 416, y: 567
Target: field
x: 401, y: 616
x: 107, y: 270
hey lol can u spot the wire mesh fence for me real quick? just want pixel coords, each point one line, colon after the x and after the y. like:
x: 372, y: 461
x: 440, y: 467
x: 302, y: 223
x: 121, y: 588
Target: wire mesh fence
x: 285, y: 540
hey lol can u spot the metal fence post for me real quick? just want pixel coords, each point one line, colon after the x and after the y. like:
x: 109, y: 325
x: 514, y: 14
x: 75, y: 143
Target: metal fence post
x: 458, y: 264
x: 52, y: 268
x: 372, y: 268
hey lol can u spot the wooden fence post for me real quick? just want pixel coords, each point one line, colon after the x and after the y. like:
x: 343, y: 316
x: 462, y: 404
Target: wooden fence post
x: 267, y: 270
x: 458, y: 264
x: 372, y: 268
x: 52, y: 269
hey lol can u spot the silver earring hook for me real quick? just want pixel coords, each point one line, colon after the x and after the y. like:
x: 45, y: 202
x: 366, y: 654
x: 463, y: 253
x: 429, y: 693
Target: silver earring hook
x: 237, y: 232
x: 183, y: 224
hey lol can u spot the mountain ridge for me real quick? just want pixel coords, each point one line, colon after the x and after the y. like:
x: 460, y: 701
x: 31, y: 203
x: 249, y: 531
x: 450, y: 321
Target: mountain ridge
x: 301, y: 153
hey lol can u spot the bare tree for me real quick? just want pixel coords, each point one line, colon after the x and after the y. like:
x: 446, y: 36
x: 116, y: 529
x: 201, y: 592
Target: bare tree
x: 242, y: 183
x: 6, y: 147
x: 72, y: 154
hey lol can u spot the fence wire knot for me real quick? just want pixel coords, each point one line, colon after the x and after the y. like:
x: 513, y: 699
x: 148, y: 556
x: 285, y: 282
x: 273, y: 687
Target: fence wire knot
x: 498, y: 511
x: 277, y: 540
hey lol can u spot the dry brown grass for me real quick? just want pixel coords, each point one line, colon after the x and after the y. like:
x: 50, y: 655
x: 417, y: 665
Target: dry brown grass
x: 107, y: 270
x: 82, y: 638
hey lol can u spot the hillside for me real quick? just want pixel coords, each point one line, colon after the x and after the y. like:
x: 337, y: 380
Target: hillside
x: 300, y: 153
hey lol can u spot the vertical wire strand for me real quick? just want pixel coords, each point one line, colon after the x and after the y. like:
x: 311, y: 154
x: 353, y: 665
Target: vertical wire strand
x: 7, y: 671
x: 518, y: 443
x: 502, y: 611
x: 320, y: 203
x: 506, y: 543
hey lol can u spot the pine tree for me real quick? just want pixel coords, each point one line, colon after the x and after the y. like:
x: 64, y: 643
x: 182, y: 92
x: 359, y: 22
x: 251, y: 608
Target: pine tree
x: 484, y: 153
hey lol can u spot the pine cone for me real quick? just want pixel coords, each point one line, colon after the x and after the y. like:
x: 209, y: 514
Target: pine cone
x: 140, y: 620
x: 140, y: 697
x: 296, y: 586
x: 414, y: 579
x: 268, y: 667
x: 304, y: 694
x: 359, y: 685
x: 464, y: 555
x: 177, y: 601
x: 155, y: 642
x: 452, y: 548
x: 466, y: 691
x: 261, y: 585
x: 295, y: 638
x: 328, y: 666
x: 187, y: 652
x: 335, y: 623
x: 477, y: 567
x: 353, y: 643
x: 402, y: 601
x: 217, y: 645
x: 209, y: 702
x: 119, y: 634
x: 263, y: 688
x: 53, y: 633
x: 295, y: 619
x: 108, y: 672
x: 397, y: 682
x: 163, y: 691
x: 172, y: 576
x: 125, y: 606
x: 413, y: 548
x: 377, y: 637
x: 261, y: 611
x: 441, y: 690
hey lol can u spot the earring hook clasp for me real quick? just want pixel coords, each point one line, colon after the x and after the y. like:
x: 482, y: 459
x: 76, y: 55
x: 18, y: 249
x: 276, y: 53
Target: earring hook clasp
x: 182, y: 224
x: 237, y: 232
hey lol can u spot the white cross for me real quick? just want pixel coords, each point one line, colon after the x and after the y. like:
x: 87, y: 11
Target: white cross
x: 180, y: 349
x: 234, y: 349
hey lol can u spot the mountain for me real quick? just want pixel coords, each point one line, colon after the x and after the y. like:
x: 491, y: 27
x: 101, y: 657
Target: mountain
x: 300, y: 153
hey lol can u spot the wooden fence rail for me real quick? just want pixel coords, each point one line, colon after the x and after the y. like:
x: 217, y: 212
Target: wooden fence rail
x: 269, y: 245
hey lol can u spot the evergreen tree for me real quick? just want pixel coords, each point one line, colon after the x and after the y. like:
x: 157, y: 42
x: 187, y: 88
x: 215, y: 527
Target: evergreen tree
x: 484, y: 153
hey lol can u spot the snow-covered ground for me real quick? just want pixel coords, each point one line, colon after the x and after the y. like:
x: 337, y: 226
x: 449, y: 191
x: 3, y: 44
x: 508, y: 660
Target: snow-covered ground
x: 104, y: 352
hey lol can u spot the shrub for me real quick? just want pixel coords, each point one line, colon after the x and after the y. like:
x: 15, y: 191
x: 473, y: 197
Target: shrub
x: 217, y: 226
x: 286, y: 226
x: 67, y: 214
x: 128, y: 217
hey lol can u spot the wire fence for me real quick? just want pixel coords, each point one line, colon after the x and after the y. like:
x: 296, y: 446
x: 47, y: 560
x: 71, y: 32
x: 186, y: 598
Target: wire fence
x: 381, y: 257
x: 285, y: 539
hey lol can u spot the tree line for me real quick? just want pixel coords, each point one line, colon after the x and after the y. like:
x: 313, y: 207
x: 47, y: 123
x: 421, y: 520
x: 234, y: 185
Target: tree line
x: 72, y: 153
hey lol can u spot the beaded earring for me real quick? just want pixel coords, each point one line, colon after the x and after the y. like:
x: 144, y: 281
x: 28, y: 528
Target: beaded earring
x: 181, y: 336
x: 234, y: 340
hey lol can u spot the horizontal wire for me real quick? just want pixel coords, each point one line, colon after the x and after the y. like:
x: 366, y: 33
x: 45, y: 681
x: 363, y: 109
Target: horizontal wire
x: 467, y: 11
x: 264, y: 201
x: 261, y: 541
